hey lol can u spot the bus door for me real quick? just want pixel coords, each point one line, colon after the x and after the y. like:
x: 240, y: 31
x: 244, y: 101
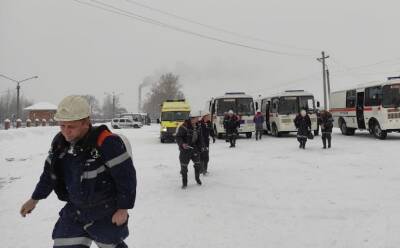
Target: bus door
x: 267, y: 112
x: 360, y: 110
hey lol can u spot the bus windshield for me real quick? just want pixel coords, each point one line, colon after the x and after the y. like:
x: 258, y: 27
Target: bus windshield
x: 391, y: 96
x: 288, y: 105
x: 307, y: 103
x: 241, y: 106
x: 174, y: 116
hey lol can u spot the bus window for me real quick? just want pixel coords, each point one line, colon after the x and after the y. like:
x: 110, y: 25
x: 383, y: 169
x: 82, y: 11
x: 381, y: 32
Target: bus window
x: 373, y: 96
x: 307, y: 103
x: 245, y: 106
x: 391, y: 96
x: 275, y: 104
x: 224, y: 105
x: 288, y: 105
x: 351, y: 99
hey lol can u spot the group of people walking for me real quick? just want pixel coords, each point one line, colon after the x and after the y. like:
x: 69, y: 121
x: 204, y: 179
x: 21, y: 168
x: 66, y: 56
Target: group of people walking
x: 303, y: 125
x: 193, y: 139
x: 91, y: 169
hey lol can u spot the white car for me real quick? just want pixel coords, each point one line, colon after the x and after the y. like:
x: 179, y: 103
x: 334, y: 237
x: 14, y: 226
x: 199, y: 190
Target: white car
x: 118, y: 123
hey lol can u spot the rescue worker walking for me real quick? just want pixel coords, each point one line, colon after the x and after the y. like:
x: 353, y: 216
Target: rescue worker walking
x: 326, y: 121
x: 231, y: 125
x: 207, y: 131
x: 92, y: 170
x: 303, y: 125
x: 189, y: 140
x: 259, y: 121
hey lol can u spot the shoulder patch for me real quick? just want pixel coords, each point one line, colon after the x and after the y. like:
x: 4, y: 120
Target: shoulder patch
x: 102, y: 137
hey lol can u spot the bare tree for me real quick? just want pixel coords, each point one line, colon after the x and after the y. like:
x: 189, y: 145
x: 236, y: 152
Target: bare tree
x: 166, y: 88
x: 8, y: 105
x: 95, y: 110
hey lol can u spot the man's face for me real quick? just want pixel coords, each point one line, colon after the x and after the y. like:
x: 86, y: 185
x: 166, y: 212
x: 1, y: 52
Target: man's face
x: 74, y: 130
x: 206, y: 118
x: 194, y: 120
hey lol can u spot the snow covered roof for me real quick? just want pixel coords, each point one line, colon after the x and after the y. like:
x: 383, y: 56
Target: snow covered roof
x: 42, y: 106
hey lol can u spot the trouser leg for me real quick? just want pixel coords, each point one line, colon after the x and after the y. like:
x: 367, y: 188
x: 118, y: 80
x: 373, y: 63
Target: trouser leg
x: 329, y: 136
x: 305, y: 141
x: 204, y: 157
x: 184, y: 159
x: 69, y: 233
x: 196, y: 161
x: 324, y: 139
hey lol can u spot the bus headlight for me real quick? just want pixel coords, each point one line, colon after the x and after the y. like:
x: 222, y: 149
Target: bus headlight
x: 164, y: 129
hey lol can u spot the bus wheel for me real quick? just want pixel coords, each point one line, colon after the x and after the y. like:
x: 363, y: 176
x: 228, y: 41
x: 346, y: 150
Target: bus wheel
x: 248, y: 135
x: 275, y: 131
x: 162, y: 140
x: 378, y: 132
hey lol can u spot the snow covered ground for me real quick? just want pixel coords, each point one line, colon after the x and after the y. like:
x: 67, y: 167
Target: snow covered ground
x: 260, y: 194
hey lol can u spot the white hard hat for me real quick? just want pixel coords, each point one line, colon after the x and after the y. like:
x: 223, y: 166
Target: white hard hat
x: 230, y: 112
x: 205, y: 113
x: 72, y: 108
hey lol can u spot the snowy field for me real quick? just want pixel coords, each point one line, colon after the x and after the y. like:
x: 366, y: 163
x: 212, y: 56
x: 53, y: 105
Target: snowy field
x: 260, y: 194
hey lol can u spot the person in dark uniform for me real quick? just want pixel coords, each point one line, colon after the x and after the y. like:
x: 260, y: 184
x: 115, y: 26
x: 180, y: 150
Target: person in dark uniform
x: 207, y: 131
x: 326, y: 122
x: 189, y: 140
x: 90, y: 169
x: 303, y: 125
x: 231, y: 125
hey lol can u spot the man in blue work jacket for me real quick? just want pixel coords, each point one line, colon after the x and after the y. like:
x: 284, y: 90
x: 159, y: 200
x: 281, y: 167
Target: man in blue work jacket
x: 92, y: 170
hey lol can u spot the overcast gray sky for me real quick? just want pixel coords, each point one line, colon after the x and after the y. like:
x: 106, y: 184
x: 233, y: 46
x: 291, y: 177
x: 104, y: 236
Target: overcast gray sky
x: 77, y: 49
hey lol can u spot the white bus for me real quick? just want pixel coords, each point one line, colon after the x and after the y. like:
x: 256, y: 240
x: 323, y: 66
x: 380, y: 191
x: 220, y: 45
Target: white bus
x: 241, y: 104
x: 280, y: 110
x: 374, y: 108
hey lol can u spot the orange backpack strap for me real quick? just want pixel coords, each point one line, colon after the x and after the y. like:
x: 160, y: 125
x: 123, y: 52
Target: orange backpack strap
x: 103, y: 136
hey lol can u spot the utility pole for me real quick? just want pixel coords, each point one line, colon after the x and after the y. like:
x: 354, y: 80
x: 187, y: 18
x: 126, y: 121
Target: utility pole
x: 329, y: 89
x: 322, y: 60
x: 113, y: 104
x: 18, y: 88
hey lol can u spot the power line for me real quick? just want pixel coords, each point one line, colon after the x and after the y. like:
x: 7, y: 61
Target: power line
x: 226, y: 31
x: 119, y: 11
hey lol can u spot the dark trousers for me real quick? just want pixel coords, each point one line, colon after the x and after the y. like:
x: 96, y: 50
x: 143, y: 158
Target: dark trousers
x: 231, y: 135
x: 204, y: 159
x: 185, y: 157
x: 259, y: 133
x: 326, y: 136
x: 302, y: 140
x: 71, y: 231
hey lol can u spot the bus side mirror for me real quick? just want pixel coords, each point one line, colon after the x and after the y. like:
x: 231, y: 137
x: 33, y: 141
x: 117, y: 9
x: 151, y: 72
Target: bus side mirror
x: 318, y: 104
x: 257, y: 105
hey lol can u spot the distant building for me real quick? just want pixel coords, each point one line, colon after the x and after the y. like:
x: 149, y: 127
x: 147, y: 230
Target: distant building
x: 42, y: 110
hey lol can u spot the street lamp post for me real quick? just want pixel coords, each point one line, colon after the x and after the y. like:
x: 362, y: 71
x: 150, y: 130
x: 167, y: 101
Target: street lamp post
x: 18, y: 87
